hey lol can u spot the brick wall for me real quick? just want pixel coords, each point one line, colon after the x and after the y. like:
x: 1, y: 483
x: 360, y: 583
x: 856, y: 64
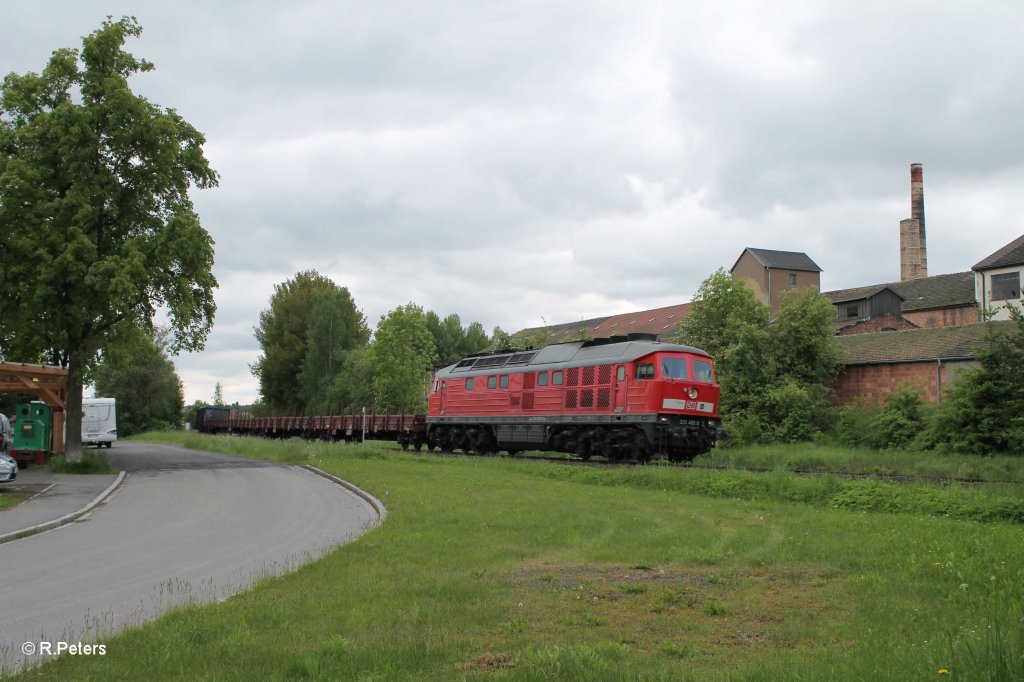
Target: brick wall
x: 944, y: 317
x: 872, y: 383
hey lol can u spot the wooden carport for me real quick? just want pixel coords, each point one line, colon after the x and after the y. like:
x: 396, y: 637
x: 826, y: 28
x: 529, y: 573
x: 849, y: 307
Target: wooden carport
x: 45, y: 382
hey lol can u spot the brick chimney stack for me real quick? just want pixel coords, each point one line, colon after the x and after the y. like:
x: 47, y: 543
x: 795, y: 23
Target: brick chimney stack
x: 913, y: 249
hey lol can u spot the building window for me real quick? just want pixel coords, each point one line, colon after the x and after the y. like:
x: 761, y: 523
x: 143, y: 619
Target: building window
x: 1006, y: 287
x: 852, y: 310
x: 792, y: 279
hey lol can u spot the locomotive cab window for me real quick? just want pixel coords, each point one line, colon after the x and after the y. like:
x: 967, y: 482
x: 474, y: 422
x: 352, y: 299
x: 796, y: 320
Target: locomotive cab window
x: 556, y: 378
x: 469, y: 384
x: 542, y: 378
x: 645, y: 371
x: 492, y: 381
x: 503, y: 381
x: 702, y: 370
x: 673, y: 368
x: 621, y: 373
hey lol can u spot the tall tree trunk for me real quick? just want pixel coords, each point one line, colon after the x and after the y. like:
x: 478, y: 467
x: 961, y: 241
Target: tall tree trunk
x: 73, y: 412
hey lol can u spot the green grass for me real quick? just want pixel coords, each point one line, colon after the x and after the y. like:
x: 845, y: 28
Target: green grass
x: 823, y: 458
x: 91, y: 463
x: 498, y: 569
x: 9, y: 499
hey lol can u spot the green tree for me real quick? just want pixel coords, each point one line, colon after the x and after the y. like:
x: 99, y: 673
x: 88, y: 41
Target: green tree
x: 352, y: 388
x: 218, y: 395
x: 803, y: 338
x: 775, y: 375
x: 96, y: 226
x: 453, y: 341
x: 721, y: 301
x: 284, y: 332
x: 403, y: 352
x: 335, y: 328
x: 137, y: 372
x: 500, y: 340
x: 983, y: 410
x: 475, y: 340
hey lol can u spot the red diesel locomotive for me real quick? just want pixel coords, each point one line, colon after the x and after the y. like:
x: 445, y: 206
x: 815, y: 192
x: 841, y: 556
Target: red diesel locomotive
x: 621, y: 398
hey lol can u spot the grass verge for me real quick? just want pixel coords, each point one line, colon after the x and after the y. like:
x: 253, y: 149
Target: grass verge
x: 9, y: 499
x: 496, y: 569
x: 832, y: 459
x: 91, y: 463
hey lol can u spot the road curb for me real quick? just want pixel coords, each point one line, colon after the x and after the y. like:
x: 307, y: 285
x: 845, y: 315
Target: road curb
x: 377, y: 505
x: 67, y: 518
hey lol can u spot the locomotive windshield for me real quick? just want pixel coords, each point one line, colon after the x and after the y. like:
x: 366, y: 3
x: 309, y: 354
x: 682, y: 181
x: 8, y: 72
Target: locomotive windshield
x: 702, y: 371
x: 673, y: 368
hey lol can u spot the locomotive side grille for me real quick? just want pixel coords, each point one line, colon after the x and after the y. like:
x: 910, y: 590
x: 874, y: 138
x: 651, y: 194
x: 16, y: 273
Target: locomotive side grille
x: 572, y: 376
x: 515, y: 401
x: 604, y: 374
x: 588, y: 376
x: 528, y: 380
x: 528, y: 401
x: 586, y: 398
x: 570, y: 399
x: 604, y: 397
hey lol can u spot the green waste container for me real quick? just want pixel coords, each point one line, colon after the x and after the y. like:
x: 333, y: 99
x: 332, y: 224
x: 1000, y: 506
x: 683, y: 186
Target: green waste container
x: 33, y: 432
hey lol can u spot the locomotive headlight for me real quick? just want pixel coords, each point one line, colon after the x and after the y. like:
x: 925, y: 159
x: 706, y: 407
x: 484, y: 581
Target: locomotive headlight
x: 692, y: 393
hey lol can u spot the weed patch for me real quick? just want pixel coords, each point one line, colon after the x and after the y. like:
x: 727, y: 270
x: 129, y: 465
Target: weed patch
x: 91, y: 463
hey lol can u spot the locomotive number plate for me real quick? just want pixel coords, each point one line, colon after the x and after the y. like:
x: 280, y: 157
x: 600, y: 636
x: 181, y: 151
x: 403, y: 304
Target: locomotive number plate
x: 670, y: 404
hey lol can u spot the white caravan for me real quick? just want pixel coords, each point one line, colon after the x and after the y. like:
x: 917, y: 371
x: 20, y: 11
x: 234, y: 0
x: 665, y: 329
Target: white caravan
x: 99, y: 421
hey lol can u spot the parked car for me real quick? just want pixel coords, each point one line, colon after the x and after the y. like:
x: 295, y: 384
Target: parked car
x: 6, y: 434
x: 8, y: 468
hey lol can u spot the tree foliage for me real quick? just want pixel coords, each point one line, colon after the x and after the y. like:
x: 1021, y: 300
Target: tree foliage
x: 352, y: 388
x: 983, y: 410
x: 335, y: 328
x: 137, y: 372
x: 310, y: 321
x: 452, y: 341
x: 775, y: 374
x: 403, y: 353
x: 96, y: 225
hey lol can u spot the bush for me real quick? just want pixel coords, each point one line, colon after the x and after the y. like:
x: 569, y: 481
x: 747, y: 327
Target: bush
x: 897, y: 425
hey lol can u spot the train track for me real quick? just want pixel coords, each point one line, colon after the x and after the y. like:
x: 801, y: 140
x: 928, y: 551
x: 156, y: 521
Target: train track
x: 572, y: 461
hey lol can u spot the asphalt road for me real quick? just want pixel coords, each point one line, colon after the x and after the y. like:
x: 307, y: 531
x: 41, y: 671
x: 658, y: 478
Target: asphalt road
x: 184, y: 527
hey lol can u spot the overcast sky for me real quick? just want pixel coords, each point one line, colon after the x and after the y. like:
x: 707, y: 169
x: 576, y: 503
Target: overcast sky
x: 523, y: 162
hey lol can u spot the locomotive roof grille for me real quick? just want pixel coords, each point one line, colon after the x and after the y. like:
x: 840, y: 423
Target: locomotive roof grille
x: 522, y: 358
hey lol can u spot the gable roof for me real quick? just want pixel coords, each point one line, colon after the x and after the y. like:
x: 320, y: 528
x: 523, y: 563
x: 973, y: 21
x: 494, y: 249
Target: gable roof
x: 938, y: 291
x: 844, y: 295
x: 781, y: 260
x: 660, y: 321
x: 1011, y: 254
x: 918, y: 345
